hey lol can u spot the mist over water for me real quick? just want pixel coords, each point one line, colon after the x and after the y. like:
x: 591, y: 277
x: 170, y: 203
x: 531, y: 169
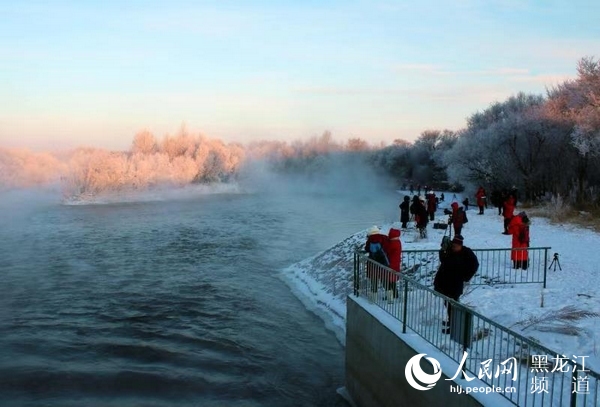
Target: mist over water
x: 178, y: 300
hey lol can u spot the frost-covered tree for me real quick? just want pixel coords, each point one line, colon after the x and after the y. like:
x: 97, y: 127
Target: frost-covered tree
x: 420, y: 162
x: 144, y: 142
x: 393, y: 160
x: 24, y: 168
x: 502, y: 146
x: 427, y: 156
x: 357, y: 144
x: 176, y: 160
x: 577, y: 104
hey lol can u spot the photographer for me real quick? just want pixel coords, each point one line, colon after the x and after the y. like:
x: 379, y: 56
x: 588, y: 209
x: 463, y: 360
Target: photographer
x: 458, y: 264
x: 457, y: 217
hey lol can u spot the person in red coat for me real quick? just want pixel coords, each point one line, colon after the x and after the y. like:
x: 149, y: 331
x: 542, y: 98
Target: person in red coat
x: 376, y: 272
x: 508, y: 212
x: 480, y: 195
x: 394, y: 253
x: 519, y: 229
x: 458, y: 218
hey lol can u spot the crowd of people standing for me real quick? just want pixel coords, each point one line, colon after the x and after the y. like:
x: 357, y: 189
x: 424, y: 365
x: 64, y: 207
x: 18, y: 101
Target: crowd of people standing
x: 458, y: 263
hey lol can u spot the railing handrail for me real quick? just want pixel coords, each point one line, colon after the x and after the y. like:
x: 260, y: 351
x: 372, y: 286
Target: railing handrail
x: 507, y: 249
x: 532, y: 260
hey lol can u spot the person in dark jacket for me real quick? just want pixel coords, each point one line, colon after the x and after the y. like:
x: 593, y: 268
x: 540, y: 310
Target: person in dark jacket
x: 457, y: 266
x: 497, y: 200
x: 405, y: 211
x: 418, y: 209
x: 431, y: 205
x: 465, y: 203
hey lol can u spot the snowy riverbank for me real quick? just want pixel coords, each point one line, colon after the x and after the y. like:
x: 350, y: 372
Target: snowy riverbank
x: 323, y: 281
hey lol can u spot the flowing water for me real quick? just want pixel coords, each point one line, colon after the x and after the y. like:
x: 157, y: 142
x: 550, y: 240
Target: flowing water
x: 173, y: 302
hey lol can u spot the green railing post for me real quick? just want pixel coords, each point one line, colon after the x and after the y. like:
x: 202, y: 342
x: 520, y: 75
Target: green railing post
x: 545, y: 265
x: 356, y: 265
x: 573, y: 402
x: 405, y: 305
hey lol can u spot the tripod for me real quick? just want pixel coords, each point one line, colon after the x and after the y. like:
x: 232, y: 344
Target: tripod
x: 555, y: 262
x: 447, y: 239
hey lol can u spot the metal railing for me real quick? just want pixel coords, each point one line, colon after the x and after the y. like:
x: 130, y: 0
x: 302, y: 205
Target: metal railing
x: 495, y: 266
x: 498, y: 356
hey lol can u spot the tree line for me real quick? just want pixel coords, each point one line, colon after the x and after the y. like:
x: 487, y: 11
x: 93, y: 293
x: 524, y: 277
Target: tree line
x: 179, y: 159
x: 541, y: 144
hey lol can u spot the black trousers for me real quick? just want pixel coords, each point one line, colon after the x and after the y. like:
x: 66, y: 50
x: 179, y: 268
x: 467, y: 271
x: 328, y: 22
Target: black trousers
x: 506, y: 222
x: 521, y: 264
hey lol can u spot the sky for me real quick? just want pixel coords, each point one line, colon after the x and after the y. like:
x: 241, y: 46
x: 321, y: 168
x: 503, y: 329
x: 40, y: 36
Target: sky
x: 324, y: 280
x: 93, y: 73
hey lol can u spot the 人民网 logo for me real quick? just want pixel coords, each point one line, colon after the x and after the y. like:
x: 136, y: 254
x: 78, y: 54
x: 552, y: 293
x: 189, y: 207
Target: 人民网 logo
x: 415, y: 375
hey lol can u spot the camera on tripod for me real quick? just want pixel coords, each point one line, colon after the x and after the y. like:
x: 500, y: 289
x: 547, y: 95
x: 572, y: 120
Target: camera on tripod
x: 442, y: 225
x: 449, y: 213
x: 555, y: 262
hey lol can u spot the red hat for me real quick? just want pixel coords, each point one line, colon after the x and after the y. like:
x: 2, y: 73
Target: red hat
x: 394, y: 233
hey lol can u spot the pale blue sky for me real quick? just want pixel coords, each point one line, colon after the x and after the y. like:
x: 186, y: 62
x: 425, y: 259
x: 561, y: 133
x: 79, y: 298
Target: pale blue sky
x: 94, y: 73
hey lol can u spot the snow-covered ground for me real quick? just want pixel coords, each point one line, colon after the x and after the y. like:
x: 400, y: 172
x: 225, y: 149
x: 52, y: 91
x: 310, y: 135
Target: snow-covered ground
x: 323, y: 281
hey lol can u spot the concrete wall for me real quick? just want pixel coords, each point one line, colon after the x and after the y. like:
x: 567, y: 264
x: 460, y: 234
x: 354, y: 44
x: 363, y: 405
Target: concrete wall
x: 375, y: 361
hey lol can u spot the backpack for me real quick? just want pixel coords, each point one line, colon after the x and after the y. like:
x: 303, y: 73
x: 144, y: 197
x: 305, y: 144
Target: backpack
x: 446, y: 243
x: 377, y: 254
